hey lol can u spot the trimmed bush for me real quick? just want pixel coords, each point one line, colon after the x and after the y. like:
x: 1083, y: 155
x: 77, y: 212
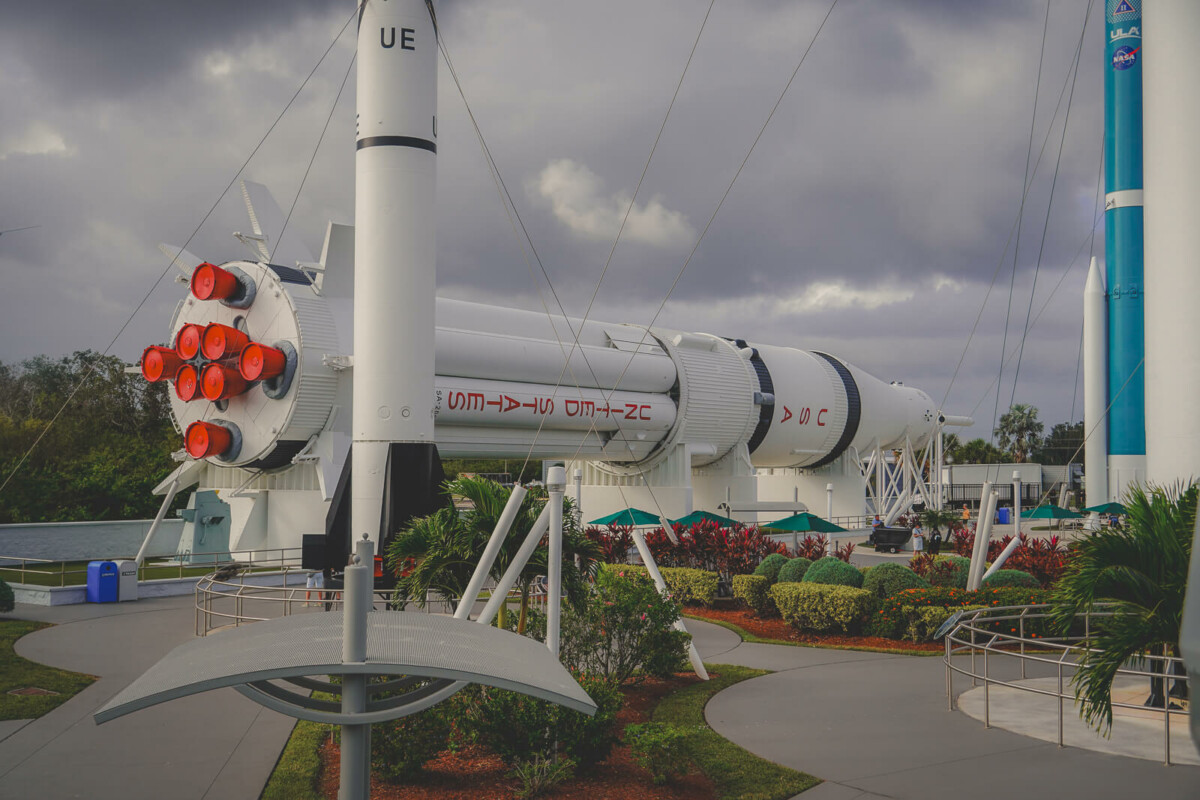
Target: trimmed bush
x: 519, y: 727
x: 835, y: 572
x: 818, y: 608
x: 885, y: 580
x: 770, y: 566
x: 1002, y: 578
x: 7, y: 603
x: 950, y: 571
x: 905, y: 614
x: 659, y: 748
x: 400, y: 747
x: 793, y: 571
x: 752, y: 590
x: 689, y: 587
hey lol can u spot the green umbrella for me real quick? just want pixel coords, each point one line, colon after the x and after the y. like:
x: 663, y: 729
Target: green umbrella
x: 1107, y: 508
x: 634, y: 517
x: 804, y: 522
x: 1050, y: 512
x: 705, y: 516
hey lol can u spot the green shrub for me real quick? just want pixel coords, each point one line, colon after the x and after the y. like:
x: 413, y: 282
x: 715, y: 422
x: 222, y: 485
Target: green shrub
x: 689, y: 587
x: 818, y: 608
x: 519, y: 727
x: 752, y: 590
x: 903, y: 616
x: 1010, y: 578
x: 770, y: 566
x: 885, y: 580
x: 6, y: 598
x: 793, y: 571
x: 833, y: 571
x: 624, y: 628
x: 538, y: 774
x: 950, y: 571
x: 400, y: 747
x: 659, y: 748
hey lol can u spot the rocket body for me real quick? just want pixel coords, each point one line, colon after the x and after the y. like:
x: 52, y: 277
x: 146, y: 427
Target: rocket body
x: 1172, y: 126
x: 1123, y: 225
x: 394, y: 243
x: 1095, y: 387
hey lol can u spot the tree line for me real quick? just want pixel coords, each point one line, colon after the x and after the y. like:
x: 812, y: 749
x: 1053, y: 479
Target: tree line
x: 1018, y: 439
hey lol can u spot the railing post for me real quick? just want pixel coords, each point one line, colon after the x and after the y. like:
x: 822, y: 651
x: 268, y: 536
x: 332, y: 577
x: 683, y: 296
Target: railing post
x: 949, y: 676
x: 1166, y: 668
x: 1060, y: 700
x: 1021, y: 621
x: 987, y: 699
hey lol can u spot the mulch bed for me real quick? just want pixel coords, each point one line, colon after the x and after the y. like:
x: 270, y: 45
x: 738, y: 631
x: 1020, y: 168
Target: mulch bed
x: 776, y: 628
x: 475, y: 773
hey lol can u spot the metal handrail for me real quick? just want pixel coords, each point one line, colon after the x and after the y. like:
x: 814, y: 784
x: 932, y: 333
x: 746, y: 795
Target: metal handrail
x: 975, y: 633
x: 258, y: 558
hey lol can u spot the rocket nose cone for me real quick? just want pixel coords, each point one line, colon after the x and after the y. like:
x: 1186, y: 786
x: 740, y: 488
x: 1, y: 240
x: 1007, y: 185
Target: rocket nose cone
x: 1095, y: 281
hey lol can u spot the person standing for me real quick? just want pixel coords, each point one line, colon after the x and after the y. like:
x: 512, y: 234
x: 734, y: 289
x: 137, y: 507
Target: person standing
x: 918, y: 538
x: 966, y: 515
x: 935, y: 542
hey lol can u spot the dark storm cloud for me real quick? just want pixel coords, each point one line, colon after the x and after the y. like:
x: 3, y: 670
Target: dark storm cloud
x: 116, y: 46
x: 869, y: 220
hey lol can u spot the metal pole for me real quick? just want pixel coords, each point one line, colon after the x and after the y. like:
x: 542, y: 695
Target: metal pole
x: 1016, y: 480
x: 987, y: 698
x: 500, y: 593
x: 1060, y: 703
x: 355, y: 779
x: 158, y: 518
x: 656, y: 576
x: 489, y: 553
x: 556, y: 485
x: 829, y: 513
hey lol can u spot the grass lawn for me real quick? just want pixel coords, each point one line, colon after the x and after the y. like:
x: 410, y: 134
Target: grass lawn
x: 747, y: 636
x: 738, y: 773
x: 19, y: 673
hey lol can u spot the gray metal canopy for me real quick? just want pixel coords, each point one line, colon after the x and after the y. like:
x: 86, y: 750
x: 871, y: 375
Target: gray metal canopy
x: 398, y: 643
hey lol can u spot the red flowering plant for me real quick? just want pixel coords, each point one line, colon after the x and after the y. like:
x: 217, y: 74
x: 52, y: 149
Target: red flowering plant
x: 615, y: 541
x: 811, y: 547
x: 843, y: 551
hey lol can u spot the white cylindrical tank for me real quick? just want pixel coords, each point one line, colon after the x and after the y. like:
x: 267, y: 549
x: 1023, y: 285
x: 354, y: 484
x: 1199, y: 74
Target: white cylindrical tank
x: 1171, y: 129
x: 1095, y: 390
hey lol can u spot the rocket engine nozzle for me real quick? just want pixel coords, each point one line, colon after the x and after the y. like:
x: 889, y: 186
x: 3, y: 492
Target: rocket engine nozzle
x: 210, y: 282
x: 221, y: 341
x: 160, y: 363
x: 187, y: 341
x: 205, y: 439
x: 220, y: 382
x: 187, y: 383
x: 260, y: 362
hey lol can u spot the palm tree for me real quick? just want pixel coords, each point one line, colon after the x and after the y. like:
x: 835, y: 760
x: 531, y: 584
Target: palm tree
x: 1140, y: 573
x: 1019, y: 431
x: 438, y: 553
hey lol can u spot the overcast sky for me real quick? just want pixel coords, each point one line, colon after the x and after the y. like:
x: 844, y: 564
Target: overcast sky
x: 868, y: 222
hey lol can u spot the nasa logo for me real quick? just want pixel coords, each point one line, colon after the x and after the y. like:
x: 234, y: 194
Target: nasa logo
x: 1124, y: 57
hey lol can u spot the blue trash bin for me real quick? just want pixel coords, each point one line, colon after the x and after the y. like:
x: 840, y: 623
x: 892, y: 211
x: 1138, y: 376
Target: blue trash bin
x: 1004, y: 515
x: 103, y: 582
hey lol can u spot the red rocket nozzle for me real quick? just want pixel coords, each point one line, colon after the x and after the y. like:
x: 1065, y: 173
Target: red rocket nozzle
x: 219, y: 382
x: 210, y: 282
x: 204, y: 439
x: 187, y: 383
x: 259, y: 362
x: 187, y: 341
x: 159, y: 363
x: 221, y: 341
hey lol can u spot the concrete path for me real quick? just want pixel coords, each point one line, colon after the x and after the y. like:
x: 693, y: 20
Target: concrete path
x: 217, y: 745
x: 876, y: 726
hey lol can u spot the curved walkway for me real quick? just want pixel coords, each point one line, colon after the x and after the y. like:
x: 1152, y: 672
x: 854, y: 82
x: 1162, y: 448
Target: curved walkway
x: 876, y: 726
x: 871, y: 725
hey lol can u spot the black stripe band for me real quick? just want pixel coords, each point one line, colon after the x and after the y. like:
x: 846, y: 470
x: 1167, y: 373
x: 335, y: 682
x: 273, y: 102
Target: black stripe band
x: 853, y: 412
x: 397, y: 141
